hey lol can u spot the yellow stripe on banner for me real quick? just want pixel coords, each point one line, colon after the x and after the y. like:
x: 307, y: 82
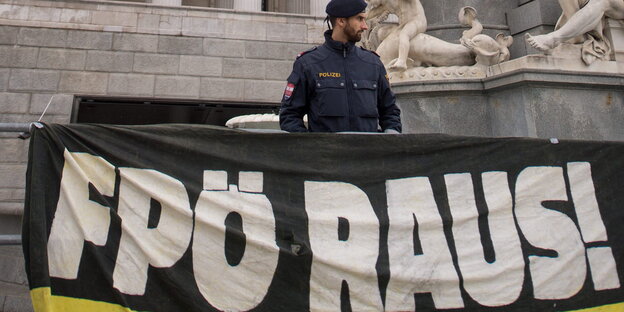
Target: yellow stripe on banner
x: 616, y: 307
x: 44, y: 301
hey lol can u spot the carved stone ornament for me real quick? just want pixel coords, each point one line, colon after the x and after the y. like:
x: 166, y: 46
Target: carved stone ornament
x: 410, y: 54
x: 581, y: 27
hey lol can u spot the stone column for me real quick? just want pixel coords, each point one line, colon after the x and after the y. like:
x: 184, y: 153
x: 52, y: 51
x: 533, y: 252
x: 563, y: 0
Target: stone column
x: 317, y: 7
x: 248, y: 5
x: 298, y: 6
x: 225, y: 4
x: 167, y: 2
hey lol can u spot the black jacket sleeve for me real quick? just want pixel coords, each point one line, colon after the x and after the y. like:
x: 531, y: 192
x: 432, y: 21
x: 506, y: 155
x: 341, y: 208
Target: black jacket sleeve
x: 389, y: 112
x: 295, y: 102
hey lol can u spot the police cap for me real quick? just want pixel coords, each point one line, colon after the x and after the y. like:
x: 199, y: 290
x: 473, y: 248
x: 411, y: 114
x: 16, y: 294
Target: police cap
x: 345, y: 8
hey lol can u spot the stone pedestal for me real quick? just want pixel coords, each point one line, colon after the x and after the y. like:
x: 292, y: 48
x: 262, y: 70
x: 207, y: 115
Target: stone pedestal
x: 533, y: 96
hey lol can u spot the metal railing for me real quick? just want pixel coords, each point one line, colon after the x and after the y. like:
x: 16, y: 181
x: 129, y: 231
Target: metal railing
x: 6, y: 240
x: 15, y: 127
x: 22, y: 128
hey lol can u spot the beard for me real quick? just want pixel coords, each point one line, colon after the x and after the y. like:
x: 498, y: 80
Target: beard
x: 352, y: 34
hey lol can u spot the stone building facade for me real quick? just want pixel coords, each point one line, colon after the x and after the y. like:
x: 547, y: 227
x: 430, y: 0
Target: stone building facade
x: 177, y: 51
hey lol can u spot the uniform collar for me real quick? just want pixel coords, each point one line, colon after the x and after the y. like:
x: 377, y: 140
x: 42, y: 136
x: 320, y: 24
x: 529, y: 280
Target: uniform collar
x: 337, y: 46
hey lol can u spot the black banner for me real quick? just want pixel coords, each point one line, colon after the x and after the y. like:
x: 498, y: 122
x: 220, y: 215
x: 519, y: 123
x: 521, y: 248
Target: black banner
x: 198, y: 218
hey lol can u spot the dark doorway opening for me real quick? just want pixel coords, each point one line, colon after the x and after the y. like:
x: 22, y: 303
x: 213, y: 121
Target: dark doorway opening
x: 124, y: 111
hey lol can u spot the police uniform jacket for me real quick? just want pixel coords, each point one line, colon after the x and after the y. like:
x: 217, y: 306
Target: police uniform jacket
x: 342, y: 88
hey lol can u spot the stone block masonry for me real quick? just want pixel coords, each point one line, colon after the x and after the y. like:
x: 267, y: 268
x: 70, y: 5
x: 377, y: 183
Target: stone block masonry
x: 201, y: 65
x: 177, y: 86
x: 222, y: 47
x: 14, y: 102
x: 4, y: 79
x: 156, y: 63
x: 131, y: 84
x: 61, y: 59
x: 89, y: 40
x: 33, y: 80
x: 109, y: 61
x: 8, y: 35
x: 135, y: 43
x: 42, y: 37
x: 243, y: 68
x: 14, y: 293
x: 58, y: 50
x: 18, y: 57
x: 180, y: 45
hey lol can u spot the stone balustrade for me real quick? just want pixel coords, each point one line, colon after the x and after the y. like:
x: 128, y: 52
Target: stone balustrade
x: 243, y: 22
x: 311, y: 7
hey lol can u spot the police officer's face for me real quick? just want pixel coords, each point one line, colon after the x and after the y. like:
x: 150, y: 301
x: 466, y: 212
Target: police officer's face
x: 354, y: 27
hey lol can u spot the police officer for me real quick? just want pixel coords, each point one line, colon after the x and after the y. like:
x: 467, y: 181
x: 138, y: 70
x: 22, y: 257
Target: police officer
x: 340, y: 86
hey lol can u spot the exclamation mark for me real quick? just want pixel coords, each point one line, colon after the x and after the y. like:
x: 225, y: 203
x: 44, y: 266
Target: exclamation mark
x: 601, y: 261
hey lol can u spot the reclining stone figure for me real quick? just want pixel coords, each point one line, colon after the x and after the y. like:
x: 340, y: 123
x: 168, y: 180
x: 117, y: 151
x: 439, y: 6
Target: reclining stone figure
x: 426, y: 50
x: 582, y: 22
x: 412, y: 21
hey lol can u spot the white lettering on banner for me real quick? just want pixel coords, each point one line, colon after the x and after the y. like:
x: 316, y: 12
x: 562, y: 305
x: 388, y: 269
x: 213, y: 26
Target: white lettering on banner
x: 140, y: 246
x: 78, y: 219
x: 603, y: 268
x: 244, y: 286
x: 585, y: 203
x: 601, y: 261
x: 560, y: 277
x: 344, y: 236
x: 491, y: 284
x: 433, y: 271
x: 352, y: 260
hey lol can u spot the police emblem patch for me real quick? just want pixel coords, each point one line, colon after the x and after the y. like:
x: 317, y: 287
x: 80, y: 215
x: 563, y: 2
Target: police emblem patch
x: 290, y: 87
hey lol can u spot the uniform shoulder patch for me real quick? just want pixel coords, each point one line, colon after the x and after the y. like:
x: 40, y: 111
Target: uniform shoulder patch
x: 305, y: 52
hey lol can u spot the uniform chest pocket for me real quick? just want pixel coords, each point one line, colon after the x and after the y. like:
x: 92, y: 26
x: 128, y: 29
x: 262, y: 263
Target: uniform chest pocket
x: 331, y: 98
x: 365, y: 95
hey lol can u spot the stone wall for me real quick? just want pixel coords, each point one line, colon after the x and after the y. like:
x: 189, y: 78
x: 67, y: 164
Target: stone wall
x: 14, y: 295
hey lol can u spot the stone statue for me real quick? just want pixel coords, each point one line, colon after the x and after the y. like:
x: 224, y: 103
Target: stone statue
x: 581, y: 22
x: 412, y: 21
x: 424, y: 50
